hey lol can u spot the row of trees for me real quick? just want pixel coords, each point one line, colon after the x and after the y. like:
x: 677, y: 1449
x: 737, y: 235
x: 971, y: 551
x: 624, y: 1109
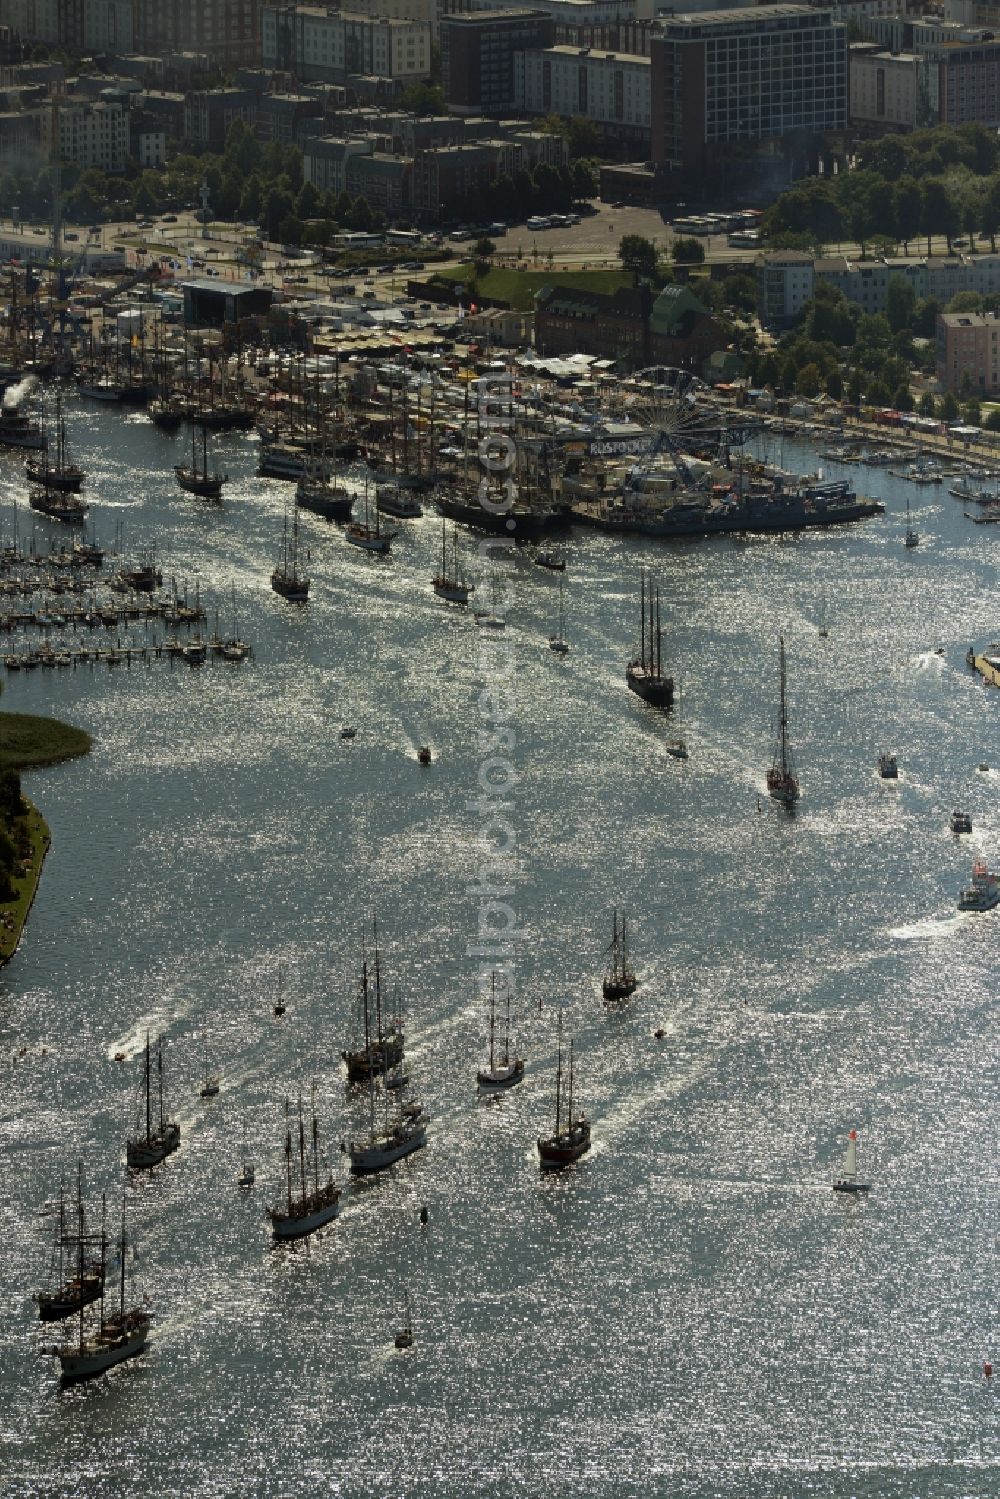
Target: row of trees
x: 13, y: 834
x: 547, y: 189
x: 937, y: 182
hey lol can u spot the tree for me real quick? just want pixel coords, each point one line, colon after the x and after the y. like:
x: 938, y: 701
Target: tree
x: 989, y: 213
x: 807, y: 382
x: 940, y: 215
x: 907, y: 203
x: 423, y: 99
x: 307, y: 204
x: 948, y: 410
x: 835, y: 385
x: 900, y: 300
x: 966, y: 301
x: 901, y: 399
x: 927, y: 405
x: 242, y: 149
x: 584, y: 184
x: 484, y: 248
x: 638, y: 255
x: 250, y: 200
x: 688, y: 251
x: 584, y: 137
x: 992, y: 422
x: 972, y: 413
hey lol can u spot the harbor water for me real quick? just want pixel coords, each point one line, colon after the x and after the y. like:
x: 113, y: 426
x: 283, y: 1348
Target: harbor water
x: 690, y: 1310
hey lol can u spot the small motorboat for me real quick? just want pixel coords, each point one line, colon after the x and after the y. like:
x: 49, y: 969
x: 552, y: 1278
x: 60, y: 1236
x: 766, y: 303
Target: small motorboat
x: 983, y: 891
x: 245, y: 1180
x: 424, y: 754
x: 887, y: 767
x: 961, y: 822
x: 847, y: 1181
x: 983, y: 765
x: 404, y: 1338
x: 348, y: 733
x: 552, y: 561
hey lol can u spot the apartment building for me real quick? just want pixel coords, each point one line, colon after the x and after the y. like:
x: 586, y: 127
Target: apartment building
x: 92, y: 135
x: 312, y: 42
x: 772, y: 73
x: 610, y: 89
x: 325, y: 161
x: 968, y: 352
x: 227, y: 32
x: 785, y: 281
x: 209, y: 113
x: 450, y: 172
x: 477, y: 57
x: 894, y: 90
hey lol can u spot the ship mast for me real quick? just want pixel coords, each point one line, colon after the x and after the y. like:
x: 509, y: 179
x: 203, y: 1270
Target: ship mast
x: 784, y: 716
x: 642, y: 615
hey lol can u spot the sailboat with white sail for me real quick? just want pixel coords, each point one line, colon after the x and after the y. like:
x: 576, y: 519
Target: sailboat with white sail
x: 309, y: 1202
x: 504, y: 1071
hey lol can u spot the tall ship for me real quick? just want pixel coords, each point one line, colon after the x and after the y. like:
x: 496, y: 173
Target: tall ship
x: 382, y: 1048
x: 115, y: 1338
x: 160, y: 1136
x: 644, y: 674
x: 782, y: 783
x: 56, y: 470
x: 309, y: 1202
x: 504, y: 1070
x: 59, y: 504
x: 288, y: 579
x: 195, y: 477
x: 619, y: 980
x: 571, y: 1137
x: 392, y: 1132
x: 78, y: 1262
x: 450, y: 583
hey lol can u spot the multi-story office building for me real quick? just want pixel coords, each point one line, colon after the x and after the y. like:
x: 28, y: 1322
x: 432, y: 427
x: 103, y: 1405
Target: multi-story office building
x: 477, y: 57
x: 227, y: 32
x: 312, y: 42
x: 894, y: 90
x: 771, y: 73
x: 608, y: 88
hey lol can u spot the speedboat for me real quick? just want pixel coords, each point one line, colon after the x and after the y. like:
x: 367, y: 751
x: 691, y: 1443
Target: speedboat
x: 961, y: 822
x: 887, y: 767
x: 983, y: 891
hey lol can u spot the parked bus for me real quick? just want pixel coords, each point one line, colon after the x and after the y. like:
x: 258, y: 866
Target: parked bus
x: 411, y: 237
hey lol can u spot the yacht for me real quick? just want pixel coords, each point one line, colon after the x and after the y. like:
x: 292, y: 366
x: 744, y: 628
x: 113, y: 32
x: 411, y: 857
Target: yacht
x: 888, y: 768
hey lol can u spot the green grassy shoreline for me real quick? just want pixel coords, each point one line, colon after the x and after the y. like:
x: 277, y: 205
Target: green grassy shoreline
x: 28, y: 742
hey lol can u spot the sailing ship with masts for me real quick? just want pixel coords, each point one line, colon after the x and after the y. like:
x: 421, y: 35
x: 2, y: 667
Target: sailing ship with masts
x: 78, y: 1261
x: 450, y: 582
x: 644, y: 674
x: 781, y: 780
x: 161, y: 1136
x: 195, y: 477
x: 370, y: 538
x: 571, y: 1137
x: 309, y: 1201
x: 619, y: 980
x: 317, y: 489
x: 393, y: 1132
x: 116, y: 1338
x: 58, y: 504
x: 56, y: 472
x: 504, y: 1070
x: 382, y: 1050
x: 287, y: 579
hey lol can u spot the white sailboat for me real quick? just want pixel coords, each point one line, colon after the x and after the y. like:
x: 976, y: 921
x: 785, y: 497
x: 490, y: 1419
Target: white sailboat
x: 847, y: 1181
x: 315, y: 1202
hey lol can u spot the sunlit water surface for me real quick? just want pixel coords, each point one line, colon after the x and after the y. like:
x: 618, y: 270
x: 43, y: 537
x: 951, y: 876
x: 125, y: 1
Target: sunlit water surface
x: 690, y: 1311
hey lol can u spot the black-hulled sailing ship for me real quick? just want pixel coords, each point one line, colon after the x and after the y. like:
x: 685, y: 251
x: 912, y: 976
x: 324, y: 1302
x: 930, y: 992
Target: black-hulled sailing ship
x: 195, y: 477
x: 781, y: 780
x: 78, y: 1262
x: 59, y: 504
x: 309, y: 1202
x: 287, y: 578
x: 56, y: 472
x: 382, y: 1049
x: 644, y: 674
x: 504, y: 1070
x: 161, y: 1136
x: 571, y: 1138
x: 116, y: 1338
x: 393, y: 1132
x: 619, y: 980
